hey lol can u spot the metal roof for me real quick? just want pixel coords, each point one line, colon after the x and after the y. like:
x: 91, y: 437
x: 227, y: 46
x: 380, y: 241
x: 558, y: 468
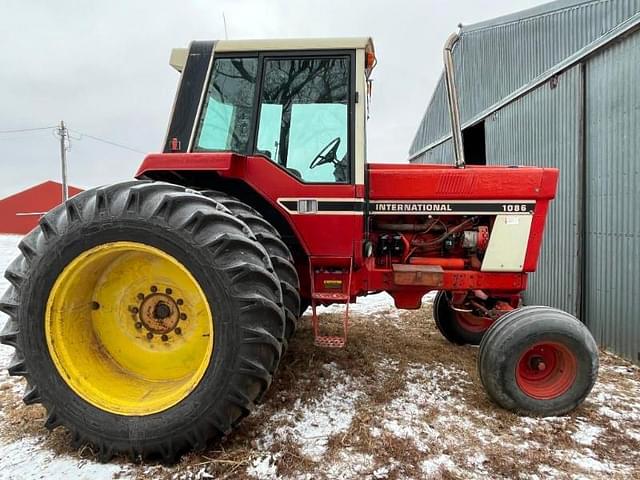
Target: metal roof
x: 544, y: 9
x: 500, y: 60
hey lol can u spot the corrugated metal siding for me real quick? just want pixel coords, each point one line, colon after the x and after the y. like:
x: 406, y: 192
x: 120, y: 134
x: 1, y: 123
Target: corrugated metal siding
x: 439, y: 122
x: 495, y: 60
x: 543, y: 129
x: 613, y: 198
x: 441, y: 154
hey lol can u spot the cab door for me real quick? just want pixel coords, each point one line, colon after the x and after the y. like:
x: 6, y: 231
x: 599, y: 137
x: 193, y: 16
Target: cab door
x: 305, y: 126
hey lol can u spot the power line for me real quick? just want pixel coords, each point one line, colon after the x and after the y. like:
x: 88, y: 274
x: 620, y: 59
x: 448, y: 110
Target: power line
x: 104, y: 140
x: 82, y: 134
x: 20, y: 130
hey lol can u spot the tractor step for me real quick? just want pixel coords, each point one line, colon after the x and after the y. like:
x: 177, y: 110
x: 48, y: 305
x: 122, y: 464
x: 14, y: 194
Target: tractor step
x: 330, y: 283
x: 330, y: 341
x: 330, y: 297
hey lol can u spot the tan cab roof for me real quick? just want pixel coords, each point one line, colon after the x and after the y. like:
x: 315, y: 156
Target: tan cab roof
x: 294, y: 44
x: 179, y: 55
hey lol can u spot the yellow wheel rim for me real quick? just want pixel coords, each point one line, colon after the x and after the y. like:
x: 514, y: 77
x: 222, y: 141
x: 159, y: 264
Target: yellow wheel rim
x: 129, y: 328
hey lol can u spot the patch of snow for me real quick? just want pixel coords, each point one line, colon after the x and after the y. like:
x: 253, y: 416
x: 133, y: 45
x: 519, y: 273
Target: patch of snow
x: 264, y: 467
x: 25, y: 459
x: 586, y: 434
x: 478, y: 460
x: 433, y: 466
x: 633, y: 434
x: 622, y: 369
x: 155, y: 472
x: 587, y: 462
x: 549, y: 472
x: 350, y: 465
x: 404, y: 419
x: 435, y: 388
x: 311, y: 424
x: 430, y: 297
x: 380, y: 473
x: 371, y: 305
x: 376, y: 304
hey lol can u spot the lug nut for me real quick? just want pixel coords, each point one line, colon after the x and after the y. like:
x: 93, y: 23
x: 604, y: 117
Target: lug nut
x: 164, y: 338
x: 133, y: 309
x: 138, y: 325
x: 141, y: 296
x: 168, y: 291
x: 183, y: 316
x: 154, y: 289
x: 95, y: 305
x: 179, y: 301
x: 149, y: 335
x: 178, y: 331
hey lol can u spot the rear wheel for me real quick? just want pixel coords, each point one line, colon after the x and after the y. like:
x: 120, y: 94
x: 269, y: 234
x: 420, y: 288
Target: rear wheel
x: 145, y: 318
x: 278, y: 251
x: 538, y: 361
x: 458, y: 327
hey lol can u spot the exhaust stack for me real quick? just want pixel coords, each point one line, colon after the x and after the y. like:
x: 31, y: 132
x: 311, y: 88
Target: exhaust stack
x: 452, y: 96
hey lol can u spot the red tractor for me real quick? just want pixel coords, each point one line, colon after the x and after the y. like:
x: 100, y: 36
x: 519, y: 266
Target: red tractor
x: 149, y: 316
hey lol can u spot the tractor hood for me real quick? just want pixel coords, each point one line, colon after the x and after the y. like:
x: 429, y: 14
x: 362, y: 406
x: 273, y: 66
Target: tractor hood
x: 442, y: 182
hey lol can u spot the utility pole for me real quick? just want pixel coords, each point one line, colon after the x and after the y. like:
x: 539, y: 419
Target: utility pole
x: 63, y: 133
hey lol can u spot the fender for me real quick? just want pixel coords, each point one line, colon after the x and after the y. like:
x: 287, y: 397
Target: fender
x: 228, y: 163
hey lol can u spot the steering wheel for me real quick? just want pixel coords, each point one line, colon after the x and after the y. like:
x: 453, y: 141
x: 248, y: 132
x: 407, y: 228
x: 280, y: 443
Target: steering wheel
x: 327, y: 155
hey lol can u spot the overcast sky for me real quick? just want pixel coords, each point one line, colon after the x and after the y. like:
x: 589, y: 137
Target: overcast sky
x: 103, y: 68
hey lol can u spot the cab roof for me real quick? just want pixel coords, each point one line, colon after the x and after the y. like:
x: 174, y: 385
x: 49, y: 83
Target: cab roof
x: 295, y: 44
x: 179, y: 55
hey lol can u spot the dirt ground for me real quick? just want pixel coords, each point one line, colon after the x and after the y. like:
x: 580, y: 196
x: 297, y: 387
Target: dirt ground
x: 397, y: 402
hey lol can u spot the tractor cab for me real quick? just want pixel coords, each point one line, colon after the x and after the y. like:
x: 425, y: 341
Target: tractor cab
x: 298, y: 103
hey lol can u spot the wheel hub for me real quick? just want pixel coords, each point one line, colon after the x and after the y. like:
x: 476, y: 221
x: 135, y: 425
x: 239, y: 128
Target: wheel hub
x: 159, y: 313
x: 546, y: 370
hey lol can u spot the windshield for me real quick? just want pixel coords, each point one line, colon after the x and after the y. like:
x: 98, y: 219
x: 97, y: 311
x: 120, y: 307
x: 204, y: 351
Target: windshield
x: 303, y: 113
x: 228, y: 108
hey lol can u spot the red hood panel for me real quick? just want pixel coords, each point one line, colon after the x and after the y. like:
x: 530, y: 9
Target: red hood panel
x: 434, y: 182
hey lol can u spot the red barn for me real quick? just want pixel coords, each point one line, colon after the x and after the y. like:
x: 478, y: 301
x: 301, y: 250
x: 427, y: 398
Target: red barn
x: 20, y: 212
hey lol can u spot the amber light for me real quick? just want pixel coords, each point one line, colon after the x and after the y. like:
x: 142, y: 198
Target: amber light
x: 370, y: 60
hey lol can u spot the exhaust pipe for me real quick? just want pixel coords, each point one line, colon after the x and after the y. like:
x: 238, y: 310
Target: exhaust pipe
x: 452, y: 96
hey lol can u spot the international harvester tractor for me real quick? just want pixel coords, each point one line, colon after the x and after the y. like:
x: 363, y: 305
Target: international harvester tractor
x: 148, y: 317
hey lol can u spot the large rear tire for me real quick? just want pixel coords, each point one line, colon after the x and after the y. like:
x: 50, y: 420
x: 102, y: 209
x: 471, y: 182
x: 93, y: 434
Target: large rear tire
x: 278, y: 251
x: 145, y: 318
x: 538, y: 361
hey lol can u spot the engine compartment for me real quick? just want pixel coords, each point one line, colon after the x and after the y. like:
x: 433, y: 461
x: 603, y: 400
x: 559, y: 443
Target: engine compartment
x: 451, y: 242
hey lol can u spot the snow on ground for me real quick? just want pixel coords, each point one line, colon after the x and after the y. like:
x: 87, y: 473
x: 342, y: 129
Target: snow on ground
x: 398, y: 402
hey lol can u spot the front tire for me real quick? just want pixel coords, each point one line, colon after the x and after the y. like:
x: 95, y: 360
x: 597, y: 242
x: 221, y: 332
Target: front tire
x: 460, y: 328
x: 538, y: 361
x: 97, y: 297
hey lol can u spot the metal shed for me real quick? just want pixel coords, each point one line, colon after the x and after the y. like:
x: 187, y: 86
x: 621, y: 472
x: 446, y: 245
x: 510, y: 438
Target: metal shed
x: 559, y: 85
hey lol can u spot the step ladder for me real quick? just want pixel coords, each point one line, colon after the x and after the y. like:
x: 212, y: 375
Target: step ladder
x: 330, y: 283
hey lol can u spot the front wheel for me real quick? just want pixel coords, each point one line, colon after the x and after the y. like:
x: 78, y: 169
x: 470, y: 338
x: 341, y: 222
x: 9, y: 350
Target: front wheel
x: 457, y: 326
x: 538, y: 361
